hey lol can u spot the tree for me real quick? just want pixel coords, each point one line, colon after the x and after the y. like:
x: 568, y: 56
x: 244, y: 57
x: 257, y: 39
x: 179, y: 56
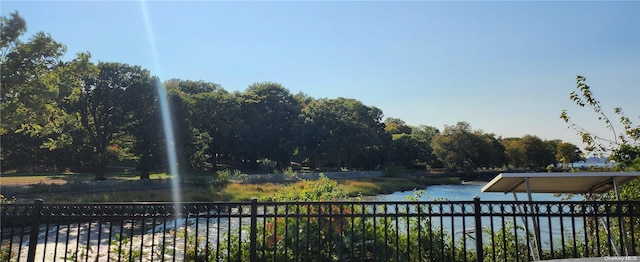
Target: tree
x: 341, y: 132
x: 514, y: 151
x: 491, y: 153
x: 143, y: 107
x: 408, y: 151
x: 218, y: 114
x: 425, y: 134
x: 568, y: 153
x: 552, y: 146
x: 624, y: 145
x: 11, y: 29
x: 103, y: 112
x: 456, y: 147
x: 537, y: 153
x: 268, y: 111
x: 74, y: 76
x: 190, y: 88
x: 30, y: 89
x: 396, y: 126
x: 30, y: 84
x: 414, y: 149
x: 190, y: 153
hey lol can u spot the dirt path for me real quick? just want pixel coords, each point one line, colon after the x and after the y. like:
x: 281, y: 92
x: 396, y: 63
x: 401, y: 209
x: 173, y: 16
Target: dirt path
x: 30, y: 180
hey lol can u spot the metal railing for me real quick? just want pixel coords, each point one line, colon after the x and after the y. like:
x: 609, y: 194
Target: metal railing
x: 320, y: 231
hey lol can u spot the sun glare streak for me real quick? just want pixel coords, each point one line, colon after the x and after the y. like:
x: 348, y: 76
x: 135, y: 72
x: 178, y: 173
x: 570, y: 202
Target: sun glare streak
x: 166, y: 116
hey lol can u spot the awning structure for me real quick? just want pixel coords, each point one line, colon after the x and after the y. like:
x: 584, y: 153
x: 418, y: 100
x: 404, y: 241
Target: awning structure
x: 579, y: 183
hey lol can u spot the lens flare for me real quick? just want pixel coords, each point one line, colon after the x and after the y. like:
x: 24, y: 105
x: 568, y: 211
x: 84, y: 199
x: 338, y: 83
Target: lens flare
x: 166, y: 114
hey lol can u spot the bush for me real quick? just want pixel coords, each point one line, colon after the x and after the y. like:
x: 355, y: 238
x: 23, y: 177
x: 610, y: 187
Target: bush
x: 321, y: 189
x: 318, y: 236
x: 5, y: 251
x: 290, y: 174
x: 268, y: 165
x: 238, y: 176
x: 223, y: 177
x: 394, y: 170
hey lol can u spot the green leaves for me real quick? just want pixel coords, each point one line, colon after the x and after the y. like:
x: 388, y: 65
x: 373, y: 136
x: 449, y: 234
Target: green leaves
x: 341, y: 132
x: 33, y: 96
x: 623, y: 148
x: 622, y: 145
x: 568, y: 153
x: 11, y: 29
x: 592, y: 141
x: 458, y: 147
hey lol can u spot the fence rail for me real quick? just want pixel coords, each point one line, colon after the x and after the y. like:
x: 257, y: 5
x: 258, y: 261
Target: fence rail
x: 320, y: 231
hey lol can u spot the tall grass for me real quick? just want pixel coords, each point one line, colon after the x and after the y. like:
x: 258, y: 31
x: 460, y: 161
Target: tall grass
x: 389, y: 185
x: 53, y: 193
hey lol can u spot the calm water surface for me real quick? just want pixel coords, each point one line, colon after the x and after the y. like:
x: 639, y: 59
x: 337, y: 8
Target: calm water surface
x: 464, y: 192
x: 550, y: 228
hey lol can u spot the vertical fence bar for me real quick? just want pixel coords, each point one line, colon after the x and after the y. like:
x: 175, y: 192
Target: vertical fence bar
x: 253, y: 231
x: 35, y: 228
x: 478, y: 218
x: 393, y: 218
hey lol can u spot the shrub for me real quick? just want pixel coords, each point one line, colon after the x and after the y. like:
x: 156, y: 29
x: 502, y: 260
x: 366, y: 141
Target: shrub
x: 506, y: 245
x: 5, y: 251
x: 268, y: 165
x: 223, y: 177
x: 290, y: 174
x: 318, y: 236
x: 394, y: 170
x: 238, y: 176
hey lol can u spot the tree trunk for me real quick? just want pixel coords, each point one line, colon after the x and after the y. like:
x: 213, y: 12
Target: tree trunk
x: 100, y: 173
x: 144, y: 173
x: 214, y: 163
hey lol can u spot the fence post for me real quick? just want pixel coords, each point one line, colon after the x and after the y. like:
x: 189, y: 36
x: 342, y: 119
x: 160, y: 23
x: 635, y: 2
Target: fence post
x: 35, y: 230
x: 253, y: 231
x: 478, y: 218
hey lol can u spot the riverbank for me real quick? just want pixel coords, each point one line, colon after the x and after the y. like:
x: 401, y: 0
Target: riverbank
x: 158, y: 190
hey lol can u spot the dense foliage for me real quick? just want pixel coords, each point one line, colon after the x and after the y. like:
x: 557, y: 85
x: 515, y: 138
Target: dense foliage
x: 321, y: 237
x: 80, y: 116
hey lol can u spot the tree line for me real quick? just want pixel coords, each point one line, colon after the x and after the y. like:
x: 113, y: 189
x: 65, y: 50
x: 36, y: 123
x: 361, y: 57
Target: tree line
x: 81, y: 115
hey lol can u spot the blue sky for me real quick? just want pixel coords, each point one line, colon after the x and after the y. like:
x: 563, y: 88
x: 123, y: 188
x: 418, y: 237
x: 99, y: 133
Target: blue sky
x: 504, y: 67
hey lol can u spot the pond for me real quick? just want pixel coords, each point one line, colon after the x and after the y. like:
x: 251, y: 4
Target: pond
x: 464, y: 192
x: 467, y: 191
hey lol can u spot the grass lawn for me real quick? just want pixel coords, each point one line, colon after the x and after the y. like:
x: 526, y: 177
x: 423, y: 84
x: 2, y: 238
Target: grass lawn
x: 19, y: 179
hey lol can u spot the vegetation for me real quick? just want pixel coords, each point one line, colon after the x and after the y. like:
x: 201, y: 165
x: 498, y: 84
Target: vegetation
x: 323, y: 238
x: 85, y: 117
x: 80, y: 116
x: 75, y: 189
x: 624, y: 146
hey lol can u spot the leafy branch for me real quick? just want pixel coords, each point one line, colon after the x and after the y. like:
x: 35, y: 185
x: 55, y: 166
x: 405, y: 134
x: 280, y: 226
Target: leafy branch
x: 584, y: 98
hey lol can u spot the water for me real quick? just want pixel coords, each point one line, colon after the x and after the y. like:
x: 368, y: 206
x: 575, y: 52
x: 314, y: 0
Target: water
x: 464, y: 192
x: 550, y: 228
x: 217, y: 227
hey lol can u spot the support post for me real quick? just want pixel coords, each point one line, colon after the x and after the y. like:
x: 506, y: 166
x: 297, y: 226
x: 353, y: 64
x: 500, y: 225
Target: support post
x: 478, y: 225
x: 535, y: 220
x: 532, y: 250
x: 623, y: 230
x: 253, y: 231
x: 35, y: 230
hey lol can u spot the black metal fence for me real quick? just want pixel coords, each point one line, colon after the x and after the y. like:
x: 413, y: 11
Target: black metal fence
x: 320, y: 231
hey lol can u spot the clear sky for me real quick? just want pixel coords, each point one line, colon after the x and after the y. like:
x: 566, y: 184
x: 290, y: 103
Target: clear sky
x: 504, y: 67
